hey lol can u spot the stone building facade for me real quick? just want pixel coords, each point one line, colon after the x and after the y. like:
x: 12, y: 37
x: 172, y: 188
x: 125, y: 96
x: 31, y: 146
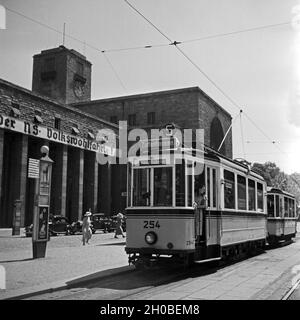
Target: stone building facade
x: 30, y: 119
x: 187, y: 108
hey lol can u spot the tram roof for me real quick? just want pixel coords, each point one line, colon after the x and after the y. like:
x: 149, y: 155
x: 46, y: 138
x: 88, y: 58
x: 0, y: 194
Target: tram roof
x: 214, y: 155
x: 279, y: 191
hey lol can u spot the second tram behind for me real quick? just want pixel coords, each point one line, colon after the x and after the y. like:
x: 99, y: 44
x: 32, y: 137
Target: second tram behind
x: 282, y: 216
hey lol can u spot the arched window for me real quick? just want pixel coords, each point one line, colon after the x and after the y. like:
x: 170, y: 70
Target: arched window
x: 217, y: 135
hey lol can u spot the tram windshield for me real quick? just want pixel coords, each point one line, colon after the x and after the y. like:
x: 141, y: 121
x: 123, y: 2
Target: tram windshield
x: 163, y: 186
x: 159, y: 179
x: 141, y: 190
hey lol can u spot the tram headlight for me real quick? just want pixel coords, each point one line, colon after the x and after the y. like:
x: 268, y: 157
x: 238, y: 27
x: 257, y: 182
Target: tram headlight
x: 151, y: 237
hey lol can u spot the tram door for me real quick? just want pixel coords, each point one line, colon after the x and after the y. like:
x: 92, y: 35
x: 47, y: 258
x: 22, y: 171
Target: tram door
x: 200, y: 202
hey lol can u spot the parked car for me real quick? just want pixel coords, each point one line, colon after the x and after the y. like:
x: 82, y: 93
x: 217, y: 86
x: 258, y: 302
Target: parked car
x: 57, y: 225
x: 76, y: 227
x: 102, y: 222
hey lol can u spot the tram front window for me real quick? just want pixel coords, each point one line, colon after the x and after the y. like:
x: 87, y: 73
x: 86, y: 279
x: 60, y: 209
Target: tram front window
x: 163, y: 186
x: 141, y: 187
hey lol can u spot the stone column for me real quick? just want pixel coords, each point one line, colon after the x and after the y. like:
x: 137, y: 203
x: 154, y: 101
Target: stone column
x: 1, y: 162
x: 80, y: 183
x: 109, y: 172
x: 96, y: 170
x: 23, y: 176
x: 64, y: 180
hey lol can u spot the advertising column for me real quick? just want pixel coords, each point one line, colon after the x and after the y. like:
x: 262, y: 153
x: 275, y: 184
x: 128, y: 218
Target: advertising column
x: 42, y: 206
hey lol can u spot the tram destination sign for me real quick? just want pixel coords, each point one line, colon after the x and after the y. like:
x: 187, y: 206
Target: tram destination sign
x: 54, y: 135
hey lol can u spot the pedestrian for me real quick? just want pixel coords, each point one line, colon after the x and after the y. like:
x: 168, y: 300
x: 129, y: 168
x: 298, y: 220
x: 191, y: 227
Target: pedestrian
x: 119, y: 229
x: 86, y: 228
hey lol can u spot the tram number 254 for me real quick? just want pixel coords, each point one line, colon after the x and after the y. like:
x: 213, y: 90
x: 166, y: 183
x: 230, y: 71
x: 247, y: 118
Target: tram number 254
x: 151, y: 224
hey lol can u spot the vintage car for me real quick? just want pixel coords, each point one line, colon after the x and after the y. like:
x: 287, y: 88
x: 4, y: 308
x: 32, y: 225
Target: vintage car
x: 57, y: 225
x: 102, y: 222
x: 76, y: 227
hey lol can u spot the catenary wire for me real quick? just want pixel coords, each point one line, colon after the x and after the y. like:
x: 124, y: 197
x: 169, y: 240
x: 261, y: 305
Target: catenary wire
x: 162, y: 45
x: 242, y: 133
x: 147, y: 46
x: 115, y: 71
x: 175, y: 43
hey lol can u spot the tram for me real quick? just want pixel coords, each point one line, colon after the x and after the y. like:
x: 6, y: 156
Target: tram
x: 176, y: 213
x: 282, y: 216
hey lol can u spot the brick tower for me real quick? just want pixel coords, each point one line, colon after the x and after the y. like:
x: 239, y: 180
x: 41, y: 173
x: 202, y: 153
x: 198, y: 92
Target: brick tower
x: 62, y: 74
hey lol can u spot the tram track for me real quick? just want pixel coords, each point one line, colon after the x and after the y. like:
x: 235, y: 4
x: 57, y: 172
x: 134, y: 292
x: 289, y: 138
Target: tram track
x: 117, y: 286
x: 134, y: 282
x: 288, y: 295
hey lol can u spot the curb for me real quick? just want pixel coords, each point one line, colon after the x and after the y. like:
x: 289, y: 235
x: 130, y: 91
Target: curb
x: 60, y: 285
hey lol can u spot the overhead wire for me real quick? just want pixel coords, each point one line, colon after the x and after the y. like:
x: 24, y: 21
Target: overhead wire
x: 147, y: 46
x: 73, y: 38
x: 242, y: 134
x: 152, y: 24
x: 175, y: 43
x: 225, y: 34
x: 115, y: 72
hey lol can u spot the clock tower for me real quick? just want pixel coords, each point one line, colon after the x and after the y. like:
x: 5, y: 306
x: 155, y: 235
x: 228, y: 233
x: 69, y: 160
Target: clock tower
x: 62, y: 74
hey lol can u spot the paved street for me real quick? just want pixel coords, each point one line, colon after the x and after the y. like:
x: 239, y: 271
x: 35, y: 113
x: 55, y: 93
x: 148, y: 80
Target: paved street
x: 66, y: 259
x: 269, y: 275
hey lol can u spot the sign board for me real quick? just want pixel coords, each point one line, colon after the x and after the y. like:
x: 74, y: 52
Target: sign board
x: 33, y: 168
x: 54, y: 135
x: 124, y: 194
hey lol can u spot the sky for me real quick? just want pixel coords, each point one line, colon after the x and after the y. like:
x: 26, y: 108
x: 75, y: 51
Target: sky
x: 258, y: 70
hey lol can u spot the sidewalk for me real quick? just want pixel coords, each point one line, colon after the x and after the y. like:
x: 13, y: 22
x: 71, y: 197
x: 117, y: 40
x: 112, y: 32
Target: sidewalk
x: 66, y: 262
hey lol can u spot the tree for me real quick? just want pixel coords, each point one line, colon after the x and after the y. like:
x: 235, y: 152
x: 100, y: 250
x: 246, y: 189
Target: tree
x: 276, y: 178
x: 272, y: 174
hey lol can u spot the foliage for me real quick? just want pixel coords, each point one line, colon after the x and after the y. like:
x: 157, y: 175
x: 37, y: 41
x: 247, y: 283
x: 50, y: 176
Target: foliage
x: 276, y: 178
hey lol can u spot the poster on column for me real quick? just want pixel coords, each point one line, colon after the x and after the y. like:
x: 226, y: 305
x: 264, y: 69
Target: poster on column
x: 43, y: 223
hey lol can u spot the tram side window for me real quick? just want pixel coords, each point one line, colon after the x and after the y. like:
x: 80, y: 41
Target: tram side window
x: 180, y: 185
x: 229, y: 190
x: 241, y: 192
x: 163, y: 186
x: 260, y: 197
x: 208, y: 186
x: 189, y: 184
x: 270, y: 205
x: 280, y: 207
x: 286, y: 206
x: 211, y: 183
x: 214, y: 178
x: 251, y: 195
x: 141, y: 187
x: 291, y: 207
x: 277, y: 205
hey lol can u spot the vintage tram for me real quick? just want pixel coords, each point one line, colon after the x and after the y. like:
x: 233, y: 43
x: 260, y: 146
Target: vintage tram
x: 282, y: 216
x: 181, y: 214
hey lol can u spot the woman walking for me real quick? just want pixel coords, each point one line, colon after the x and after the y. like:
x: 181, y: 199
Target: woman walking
x: 86, y: 228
